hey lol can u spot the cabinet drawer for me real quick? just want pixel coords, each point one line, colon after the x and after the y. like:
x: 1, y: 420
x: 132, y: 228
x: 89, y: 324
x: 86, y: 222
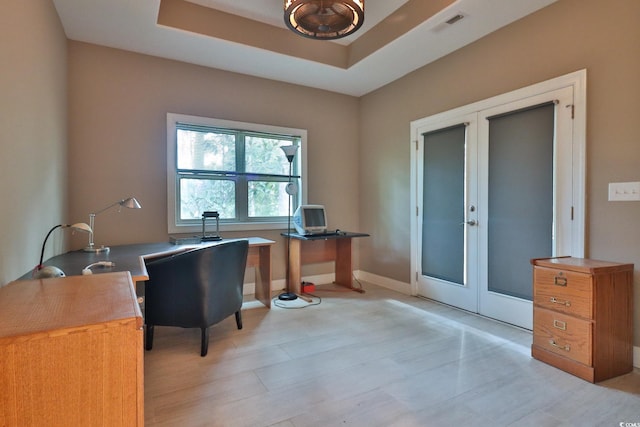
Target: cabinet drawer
x: 564, y: 335
x: 565, y: 291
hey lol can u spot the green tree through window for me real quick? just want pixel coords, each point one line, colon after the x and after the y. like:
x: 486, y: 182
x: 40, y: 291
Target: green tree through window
x: 242, y: 174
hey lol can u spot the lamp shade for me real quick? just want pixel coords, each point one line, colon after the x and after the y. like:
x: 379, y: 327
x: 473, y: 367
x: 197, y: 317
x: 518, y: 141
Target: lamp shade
x: 324, y: 19
x: 130, y: 203
x: 81, y: 226
x: 290, y: 151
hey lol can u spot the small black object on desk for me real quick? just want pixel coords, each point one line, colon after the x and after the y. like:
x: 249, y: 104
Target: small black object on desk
x: 211, y: 237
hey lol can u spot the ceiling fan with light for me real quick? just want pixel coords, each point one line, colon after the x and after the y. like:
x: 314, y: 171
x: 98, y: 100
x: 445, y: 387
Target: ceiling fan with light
x: 324, y: 19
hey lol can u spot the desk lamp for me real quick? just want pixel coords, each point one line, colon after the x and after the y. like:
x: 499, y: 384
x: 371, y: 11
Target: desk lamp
x: 41, y: 272
x: 130, y: 203
x: 292, y: 188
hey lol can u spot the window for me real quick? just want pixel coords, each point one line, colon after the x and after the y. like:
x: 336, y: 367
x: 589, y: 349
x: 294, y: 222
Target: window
x: 237, y: 169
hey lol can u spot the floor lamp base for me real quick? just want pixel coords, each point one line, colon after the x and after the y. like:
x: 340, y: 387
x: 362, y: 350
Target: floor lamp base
x: 287, y: 296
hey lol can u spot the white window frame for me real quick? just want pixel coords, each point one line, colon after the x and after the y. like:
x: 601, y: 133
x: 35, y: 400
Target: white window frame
x: 174, y: 118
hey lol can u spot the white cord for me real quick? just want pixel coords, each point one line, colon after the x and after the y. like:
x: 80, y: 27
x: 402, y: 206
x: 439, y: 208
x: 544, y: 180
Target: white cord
x: 87, y: 269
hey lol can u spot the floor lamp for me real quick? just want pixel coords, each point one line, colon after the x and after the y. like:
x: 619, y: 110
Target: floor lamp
x: 291, y: 189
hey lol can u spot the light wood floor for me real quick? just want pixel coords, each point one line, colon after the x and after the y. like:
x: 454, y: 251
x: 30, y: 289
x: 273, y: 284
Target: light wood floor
x: 374, y: 359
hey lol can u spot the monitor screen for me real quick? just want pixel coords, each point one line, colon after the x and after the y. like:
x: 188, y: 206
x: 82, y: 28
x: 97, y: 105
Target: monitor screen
x: 314, y: 217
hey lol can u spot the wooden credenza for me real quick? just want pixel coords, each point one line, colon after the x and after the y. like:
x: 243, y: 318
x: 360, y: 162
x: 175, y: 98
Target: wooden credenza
x: 583, y: 316
x: 71, y: 352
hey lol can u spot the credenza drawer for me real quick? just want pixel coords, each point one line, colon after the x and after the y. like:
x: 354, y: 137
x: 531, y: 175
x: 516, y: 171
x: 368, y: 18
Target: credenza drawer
x: 566, y: 291
x: 564, y: 335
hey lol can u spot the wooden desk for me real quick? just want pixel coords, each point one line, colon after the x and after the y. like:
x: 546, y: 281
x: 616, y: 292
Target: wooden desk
x: 131, y: 258
x: 71, y: 352
x: 315, y: 249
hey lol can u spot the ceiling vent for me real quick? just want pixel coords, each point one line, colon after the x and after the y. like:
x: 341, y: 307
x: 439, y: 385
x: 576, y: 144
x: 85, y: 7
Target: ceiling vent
x: 446, y: 24
x: 454, y: 19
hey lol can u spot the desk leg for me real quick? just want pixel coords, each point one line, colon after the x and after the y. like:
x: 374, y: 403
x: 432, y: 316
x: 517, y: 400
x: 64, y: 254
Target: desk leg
x: 295, y: 261
x: 343, y: 265
x: 263, y: 276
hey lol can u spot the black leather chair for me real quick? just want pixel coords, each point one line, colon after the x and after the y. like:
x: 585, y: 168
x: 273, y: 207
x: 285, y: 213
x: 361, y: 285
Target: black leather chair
x: 196, y: 289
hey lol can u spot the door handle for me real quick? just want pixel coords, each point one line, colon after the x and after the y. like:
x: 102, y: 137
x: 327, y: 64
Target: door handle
x: 471, y: 222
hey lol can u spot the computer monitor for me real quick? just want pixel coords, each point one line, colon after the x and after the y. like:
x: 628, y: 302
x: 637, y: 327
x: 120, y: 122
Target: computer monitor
x: 310, y: 219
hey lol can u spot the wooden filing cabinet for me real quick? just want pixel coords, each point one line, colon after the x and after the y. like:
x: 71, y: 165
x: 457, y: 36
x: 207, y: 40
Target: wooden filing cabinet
x: 71, y: 352
x: 583, y: 316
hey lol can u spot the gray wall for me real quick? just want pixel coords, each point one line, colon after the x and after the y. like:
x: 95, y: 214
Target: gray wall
x: 33, y: 134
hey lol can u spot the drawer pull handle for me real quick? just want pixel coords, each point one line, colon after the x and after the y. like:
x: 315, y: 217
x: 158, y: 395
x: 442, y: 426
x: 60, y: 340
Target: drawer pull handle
x: 561, y: 302
x: 560, y: 281
x: 561, y: 347
x: 559, y: 324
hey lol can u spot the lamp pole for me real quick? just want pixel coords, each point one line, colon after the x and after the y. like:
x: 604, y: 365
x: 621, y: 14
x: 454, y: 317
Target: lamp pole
x: 290, y: 152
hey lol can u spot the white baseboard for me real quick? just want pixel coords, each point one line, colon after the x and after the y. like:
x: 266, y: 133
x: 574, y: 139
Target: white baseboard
x: 385, y: 282
x: 320, y: 279
x: 250, y: 288
x: 280, y: 284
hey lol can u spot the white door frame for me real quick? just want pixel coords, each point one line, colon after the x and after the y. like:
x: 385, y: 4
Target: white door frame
x: 577, y: 81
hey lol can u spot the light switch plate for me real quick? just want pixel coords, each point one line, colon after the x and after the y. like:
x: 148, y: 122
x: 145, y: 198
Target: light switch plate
x: 624, y: 191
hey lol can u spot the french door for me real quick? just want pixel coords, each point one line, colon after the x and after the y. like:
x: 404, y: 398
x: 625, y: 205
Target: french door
x: 448, y: 189
x: 494, y: 189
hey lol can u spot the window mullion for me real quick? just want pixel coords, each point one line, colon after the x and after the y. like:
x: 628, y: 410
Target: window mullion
x: 242, y: 187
